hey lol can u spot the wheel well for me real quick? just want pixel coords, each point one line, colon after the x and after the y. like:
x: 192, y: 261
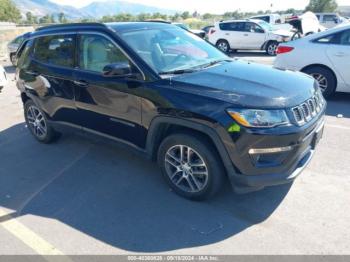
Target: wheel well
x: 264, y: 46
x: 323, y: 66
x: 165, y: 129
x: 221, y: 39
x: 24, y: 97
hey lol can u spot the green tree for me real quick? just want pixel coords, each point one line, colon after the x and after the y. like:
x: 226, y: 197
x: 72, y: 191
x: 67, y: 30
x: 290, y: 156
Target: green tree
x: 185, y: 15
x: 61, y: 17
x: 319, y: 6
x: 9, y: 12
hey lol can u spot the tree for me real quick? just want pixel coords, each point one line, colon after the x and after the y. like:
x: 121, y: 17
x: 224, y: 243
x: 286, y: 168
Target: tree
x: 9, y: 12
x: 319, y: 6
x: 185, y: 15
x: 61, y: 17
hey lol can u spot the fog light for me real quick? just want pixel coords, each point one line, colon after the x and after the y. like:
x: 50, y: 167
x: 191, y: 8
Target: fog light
x: 254, y: 151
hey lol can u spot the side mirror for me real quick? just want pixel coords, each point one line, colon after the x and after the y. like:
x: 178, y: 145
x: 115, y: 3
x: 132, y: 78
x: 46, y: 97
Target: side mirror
x: 121, y: 69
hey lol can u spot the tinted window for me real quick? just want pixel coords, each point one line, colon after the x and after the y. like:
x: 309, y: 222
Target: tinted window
x: 252, y: 28
x: 329, y: 18
x: 55, y: 50
x: 236, y: 26
x: 345, y: 38
x: 97, y: 51
x: 342, y: 38
x: 23, y: 54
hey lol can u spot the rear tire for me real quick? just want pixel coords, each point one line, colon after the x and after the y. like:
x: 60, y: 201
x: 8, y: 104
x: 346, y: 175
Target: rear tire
x: 37, y: 123
x: 197, y: 172
x: 223, y: 45
x: 271, y: 48
x: 325, y: 78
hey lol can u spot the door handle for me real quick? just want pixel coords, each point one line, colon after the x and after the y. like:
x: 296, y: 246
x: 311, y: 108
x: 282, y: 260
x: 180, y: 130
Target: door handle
x: 227, y: 34
x: 340, y: 54
x: 81, y: 83
x: 245, y: 34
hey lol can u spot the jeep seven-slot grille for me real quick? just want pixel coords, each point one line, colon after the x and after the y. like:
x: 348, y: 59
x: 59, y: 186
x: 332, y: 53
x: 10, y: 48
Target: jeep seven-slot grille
x: 306, y: 111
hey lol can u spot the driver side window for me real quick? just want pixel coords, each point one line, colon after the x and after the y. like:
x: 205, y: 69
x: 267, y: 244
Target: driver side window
x: 97, y: 51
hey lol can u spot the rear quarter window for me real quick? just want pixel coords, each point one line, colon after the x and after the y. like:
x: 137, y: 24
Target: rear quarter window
x: 55, y: 50
x: 24, y: 53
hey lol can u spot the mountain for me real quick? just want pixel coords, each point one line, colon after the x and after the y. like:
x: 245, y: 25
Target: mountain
x: 44, y: 7
x: 95, y: 9
x: 112, y: 7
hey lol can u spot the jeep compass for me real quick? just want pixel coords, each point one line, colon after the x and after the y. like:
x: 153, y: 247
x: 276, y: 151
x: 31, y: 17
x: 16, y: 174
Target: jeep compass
x: 204, y: 117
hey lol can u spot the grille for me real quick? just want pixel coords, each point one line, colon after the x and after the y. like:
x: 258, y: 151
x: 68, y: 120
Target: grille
x: 306, y: 111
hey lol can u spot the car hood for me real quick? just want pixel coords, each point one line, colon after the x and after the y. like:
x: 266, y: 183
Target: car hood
x: 282, y: 32
x: 249, y: 85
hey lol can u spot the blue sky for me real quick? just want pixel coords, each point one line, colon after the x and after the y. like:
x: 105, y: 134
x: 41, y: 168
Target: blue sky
x: 213, y: 6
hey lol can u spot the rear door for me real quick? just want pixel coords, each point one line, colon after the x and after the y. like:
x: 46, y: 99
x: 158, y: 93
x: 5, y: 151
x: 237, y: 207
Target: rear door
x: 107, y: 105
x: 232, y: 33
x: 339, y: 54
x: 48, y: 75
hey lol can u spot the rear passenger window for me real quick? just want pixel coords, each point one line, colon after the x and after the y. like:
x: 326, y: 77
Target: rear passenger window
x: 55, y: 50
x: 237, y: 26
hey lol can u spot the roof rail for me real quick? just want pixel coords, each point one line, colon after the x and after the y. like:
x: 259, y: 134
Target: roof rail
x: 58, y: 26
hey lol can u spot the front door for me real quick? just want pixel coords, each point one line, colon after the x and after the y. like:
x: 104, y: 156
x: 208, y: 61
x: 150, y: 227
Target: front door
x: 106, y: 104
x: 253, y: 36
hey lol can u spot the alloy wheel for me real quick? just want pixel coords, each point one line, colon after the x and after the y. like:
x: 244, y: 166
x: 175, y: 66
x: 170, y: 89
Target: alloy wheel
x: 322, y: 81
x: 272, y: 48
x: 36, y: 122
x: 186, y: 168
x: 223, y: 46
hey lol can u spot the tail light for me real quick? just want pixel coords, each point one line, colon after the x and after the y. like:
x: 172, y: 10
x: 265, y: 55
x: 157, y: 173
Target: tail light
x: 284, y: 49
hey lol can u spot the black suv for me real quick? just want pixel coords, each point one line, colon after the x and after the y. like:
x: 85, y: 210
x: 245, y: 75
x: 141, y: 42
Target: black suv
x: 164, y: 91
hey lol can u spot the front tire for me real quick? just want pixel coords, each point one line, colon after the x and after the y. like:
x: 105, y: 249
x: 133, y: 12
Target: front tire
x: 223, y: 45
x: 190, y: 166
x: 325, y: 78
x: 37, y: 123
x: 271, y: 48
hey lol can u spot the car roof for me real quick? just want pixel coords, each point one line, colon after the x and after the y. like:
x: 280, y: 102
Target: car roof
x: 241, y: 20
x: 118, y: 27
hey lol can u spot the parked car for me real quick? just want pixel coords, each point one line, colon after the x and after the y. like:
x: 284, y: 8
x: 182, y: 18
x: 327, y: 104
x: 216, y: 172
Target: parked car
x: 247, y: 35
x: 3, y: 78
x: 330, y: 20
x: 275, y: 20
x: 13, y: 46
x: 206, y: 29
x: 174, y: 97
x: 305, y: 24
x: 325, y: 56
x: 197, y: 32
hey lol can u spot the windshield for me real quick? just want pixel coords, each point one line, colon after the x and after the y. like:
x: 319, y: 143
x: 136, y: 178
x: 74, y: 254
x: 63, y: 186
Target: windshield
x: 172, y: 49
x: 266, y: 26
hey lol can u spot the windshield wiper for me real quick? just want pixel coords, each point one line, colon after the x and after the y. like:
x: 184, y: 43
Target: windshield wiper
x: 214, y: 63
x: 178, y: 72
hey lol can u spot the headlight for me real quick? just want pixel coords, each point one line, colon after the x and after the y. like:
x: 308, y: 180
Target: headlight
x: 259, y: 118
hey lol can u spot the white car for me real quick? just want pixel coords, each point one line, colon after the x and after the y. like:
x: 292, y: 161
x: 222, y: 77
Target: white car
x: 275, y: 20
x: 3, y: 78
x: 249, y: 34
x: 330, y: 20
x: 325, y: 56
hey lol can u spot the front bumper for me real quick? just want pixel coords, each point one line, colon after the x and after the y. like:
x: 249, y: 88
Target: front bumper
x: 283, y: 167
